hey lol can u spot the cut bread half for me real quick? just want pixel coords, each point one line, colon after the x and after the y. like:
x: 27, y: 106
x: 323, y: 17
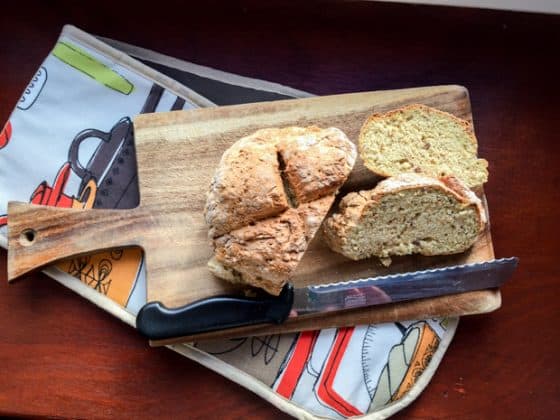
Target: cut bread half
x: 268, y: 198
x: 406, y: 214
x: 420, y: 139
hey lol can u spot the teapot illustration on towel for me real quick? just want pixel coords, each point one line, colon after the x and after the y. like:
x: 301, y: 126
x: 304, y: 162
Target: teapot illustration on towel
x: 112, y: 166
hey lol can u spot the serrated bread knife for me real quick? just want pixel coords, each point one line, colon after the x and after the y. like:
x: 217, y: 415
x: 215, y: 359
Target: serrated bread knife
x: 157, y: 322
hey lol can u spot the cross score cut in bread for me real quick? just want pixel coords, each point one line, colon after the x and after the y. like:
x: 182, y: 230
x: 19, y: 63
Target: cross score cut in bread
x: 406, y: 214
x: 268, y: 198
x: 420, y: 139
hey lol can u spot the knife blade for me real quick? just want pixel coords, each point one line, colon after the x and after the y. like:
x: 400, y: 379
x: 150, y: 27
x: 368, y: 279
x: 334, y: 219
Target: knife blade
x: 157, y: 322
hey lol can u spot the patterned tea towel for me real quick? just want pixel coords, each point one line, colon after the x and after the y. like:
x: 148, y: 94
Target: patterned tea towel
x: 69, y: 143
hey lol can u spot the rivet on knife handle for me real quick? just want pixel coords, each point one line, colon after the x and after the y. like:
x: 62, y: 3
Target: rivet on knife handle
x: 157, y: 322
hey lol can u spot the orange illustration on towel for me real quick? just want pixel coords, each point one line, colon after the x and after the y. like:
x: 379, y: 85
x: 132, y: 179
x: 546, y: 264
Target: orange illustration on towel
x: 426, y: 345
x: 111, y: 273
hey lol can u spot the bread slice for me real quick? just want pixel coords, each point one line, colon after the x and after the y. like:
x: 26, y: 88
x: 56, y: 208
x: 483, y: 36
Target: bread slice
x: 420, y: 139
x: 268, y: 198
x: 406, y: 214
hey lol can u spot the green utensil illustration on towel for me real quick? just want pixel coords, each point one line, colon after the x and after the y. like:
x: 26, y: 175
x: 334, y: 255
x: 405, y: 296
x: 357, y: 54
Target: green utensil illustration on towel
x: 84, y: 62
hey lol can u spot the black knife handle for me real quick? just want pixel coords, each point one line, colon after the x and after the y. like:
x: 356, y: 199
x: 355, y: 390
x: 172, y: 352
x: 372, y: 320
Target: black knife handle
x: 157, y: 322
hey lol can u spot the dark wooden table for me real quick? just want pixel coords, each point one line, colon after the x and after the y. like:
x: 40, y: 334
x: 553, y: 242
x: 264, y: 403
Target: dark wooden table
x: 61, y: 356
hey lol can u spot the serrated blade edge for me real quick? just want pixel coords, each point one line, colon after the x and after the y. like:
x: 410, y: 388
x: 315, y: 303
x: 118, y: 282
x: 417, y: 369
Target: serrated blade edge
x: 403, y: 286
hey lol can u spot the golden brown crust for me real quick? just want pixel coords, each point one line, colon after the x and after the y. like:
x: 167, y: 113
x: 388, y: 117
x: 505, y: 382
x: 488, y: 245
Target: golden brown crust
x: 267, y: 253
x: 316, y: 162
x: 466, y: 195
x: 246, y: 187
x: 268, y: 199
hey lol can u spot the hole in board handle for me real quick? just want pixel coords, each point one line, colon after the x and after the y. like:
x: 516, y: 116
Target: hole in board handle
x: 27, y: 237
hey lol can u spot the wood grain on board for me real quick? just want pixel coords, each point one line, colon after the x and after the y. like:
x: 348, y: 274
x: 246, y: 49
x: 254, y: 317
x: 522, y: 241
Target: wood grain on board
x: 177, y: 155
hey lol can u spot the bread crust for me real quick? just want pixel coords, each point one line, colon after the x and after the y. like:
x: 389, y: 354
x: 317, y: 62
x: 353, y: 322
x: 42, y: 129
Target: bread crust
x: 354, y: 205
x: 268, y: 198
x: 246, y: 187
x: 267, y: 253
x: 316, y: 162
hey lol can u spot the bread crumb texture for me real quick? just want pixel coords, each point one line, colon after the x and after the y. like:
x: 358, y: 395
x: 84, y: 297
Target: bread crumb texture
x: 407, y: 214
x: 424, y: 140
x: 268, y: 198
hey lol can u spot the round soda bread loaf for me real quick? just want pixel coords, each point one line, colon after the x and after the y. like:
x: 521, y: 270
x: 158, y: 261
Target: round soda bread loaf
x: 406, y: 214
x: 420, y: 139
x: 269, y: 196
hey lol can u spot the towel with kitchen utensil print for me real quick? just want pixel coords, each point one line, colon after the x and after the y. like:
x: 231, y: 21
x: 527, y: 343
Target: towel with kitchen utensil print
x: 69, y: 143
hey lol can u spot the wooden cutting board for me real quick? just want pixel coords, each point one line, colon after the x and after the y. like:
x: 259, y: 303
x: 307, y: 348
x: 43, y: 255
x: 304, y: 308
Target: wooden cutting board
x: 177, y: 154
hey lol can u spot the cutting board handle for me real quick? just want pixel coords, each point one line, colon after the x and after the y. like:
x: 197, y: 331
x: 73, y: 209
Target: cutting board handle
x: 40, y: 235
